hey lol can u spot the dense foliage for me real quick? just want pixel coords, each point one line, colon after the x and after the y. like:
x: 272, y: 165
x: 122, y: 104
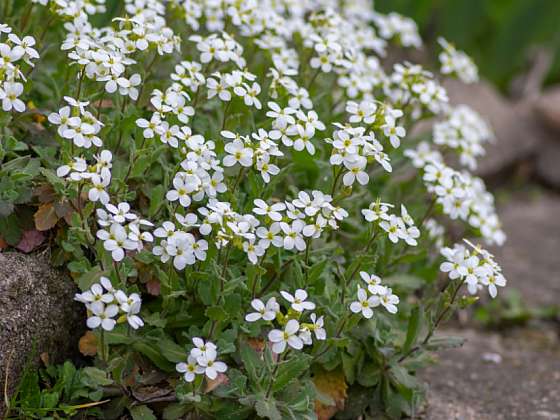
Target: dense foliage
x: 232, y: 186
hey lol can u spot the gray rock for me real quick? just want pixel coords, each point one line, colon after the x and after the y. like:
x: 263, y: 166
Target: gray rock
x: 531, y: 253
x: 36, y: 309
x: 547, y: 166
x: 547, y: 108
x: 524, y: 385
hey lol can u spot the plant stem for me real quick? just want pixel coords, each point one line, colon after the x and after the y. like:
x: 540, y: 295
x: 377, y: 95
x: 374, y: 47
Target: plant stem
x: 435, y: 325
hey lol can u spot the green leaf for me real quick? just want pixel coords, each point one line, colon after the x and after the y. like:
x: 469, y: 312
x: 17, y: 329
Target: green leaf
x: 142, y: 412
x: 400, y: 376
x: 172, y: 351
x: 175, y: 411
x: 444, y: 342
x: 94, y: 377
x: 290, y: 370
x: 369, y: 375
x: 251, y: 361
x: 414, y: 325
x: 10, y: 230
x: 152, y: 352
x: 216, y: 313
x: 267, y: 408
x: 316, y: 270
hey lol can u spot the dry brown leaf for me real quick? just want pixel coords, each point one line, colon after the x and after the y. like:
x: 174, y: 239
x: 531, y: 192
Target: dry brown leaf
x: 333, y: 385
x: 45, y: 358
x: 88, y: 344
x: 45, y: 193
x: 45, y: 217
x: 3, y: 244
x: 212, y: 384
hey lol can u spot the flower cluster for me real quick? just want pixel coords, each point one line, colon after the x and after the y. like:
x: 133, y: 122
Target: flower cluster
x: 463, y: 130
x: 411, y: 86
x: 475, y: 266
x: 397, y: 227
x: 294, y: 334
x: 457, y: 63
x: 104, y: 302
x: 124, y: 230
x: 201, y: 361
x: 180, y: 244
x: 378, y: 295
x: 77, y: 124
x: 460, y: 194
x: 288, y: 225
x: 13, y: 51
x: 104, y: 55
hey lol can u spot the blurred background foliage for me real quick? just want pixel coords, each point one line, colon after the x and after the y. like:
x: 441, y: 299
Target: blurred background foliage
x: 501, y: 35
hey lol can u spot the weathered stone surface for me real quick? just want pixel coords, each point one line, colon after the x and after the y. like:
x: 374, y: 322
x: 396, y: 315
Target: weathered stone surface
x: 547, y: 107
x: 531, y: 255
x: 36, y: 308
x: 518, y: 130
x: 523, y: 381
x: 547, y: 165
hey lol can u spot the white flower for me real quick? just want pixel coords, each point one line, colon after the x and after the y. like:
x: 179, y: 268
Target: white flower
x: 317, y: 328
x: 268, y: 312
x: 286, y: 337
x: 297, y: 301
x: 102, y: 316
x: 272, y: 211
x: 364, y: 304
x: 202, y: 348
x: 373, y: 282
x: 189, y: 369
x: 238, y: 153
x: 116, y: 241
x: 9, y: 93
x: 94, y: 294
x: 209, y: 365
x: 121, y: 212
x: 293, y: 235
x: 389, y: 300
x: 492, y: 280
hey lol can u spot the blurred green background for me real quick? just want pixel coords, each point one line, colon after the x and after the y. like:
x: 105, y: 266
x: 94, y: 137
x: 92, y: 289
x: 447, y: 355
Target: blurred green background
x: 499, y: 34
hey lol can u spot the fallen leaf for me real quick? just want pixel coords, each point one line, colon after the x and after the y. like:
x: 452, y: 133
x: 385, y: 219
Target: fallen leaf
x: 45, y: 358
x: 333, y: 385
x: 45, y: 217
x: 212, y: 384
x: 30, y: 240
x: 88, y: 344
x: 45, y: 193
x: 3, y: 244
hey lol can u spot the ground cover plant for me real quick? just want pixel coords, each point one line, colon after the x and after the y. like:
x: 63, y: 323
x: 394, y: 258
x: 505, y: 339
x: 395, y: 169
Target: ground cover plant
x: 233, y: 187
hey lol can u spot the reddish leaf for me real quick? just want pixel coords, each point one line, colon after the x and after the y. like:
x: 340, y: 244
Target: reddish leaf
x: 30, y: 240
x: 3, y: 244
x: 45, y: 217
x: 153, y: 287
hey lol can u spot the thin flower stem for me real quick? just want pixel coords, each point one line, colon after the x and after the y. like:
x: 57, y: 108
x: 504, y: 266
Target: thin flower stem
x: 274, y: 372
x: 436, y: 324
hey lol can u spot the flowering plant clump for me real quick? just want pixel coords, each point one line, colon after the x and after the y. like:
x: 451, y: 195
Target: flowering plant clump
x: 233, y: 187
